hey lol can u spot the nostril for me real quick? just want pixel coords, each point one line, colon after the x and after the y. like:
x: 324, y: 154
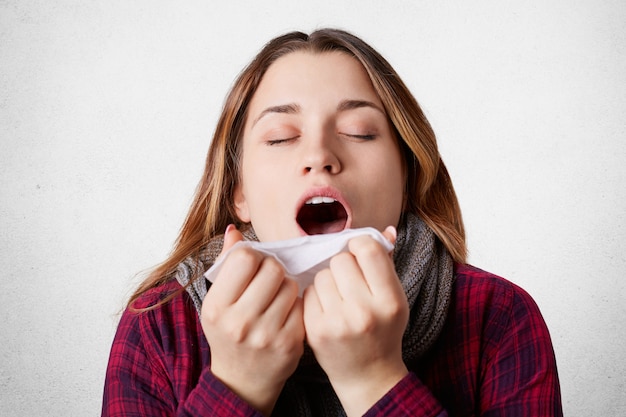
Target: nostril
x: 328, y: 168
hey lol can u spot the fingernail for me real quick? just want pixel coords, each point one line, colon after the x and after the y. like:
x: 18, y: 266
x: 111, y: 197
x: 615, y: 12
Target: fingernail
x: 393, y: 232
x: 229, y: 228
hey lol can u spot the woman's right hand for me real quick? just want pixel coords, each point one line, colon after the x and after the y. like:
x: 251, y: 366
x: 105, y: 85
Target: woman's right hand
x: 252, y: 319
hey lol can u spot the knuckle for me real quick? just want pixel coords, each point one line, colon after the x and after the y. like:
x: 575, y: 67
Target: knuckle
x: 244, y: 256
x: 340, y: 259
x: 317, y: 336
x: 272, y: 267
x: 210, y: 313
x: 260, y: 340
x: 237, y: 332
x: 290, y: 287
x: 364, y: 321
x: 372, y: 248
x: 396, y: 310
x: 323, y: 277
x: 366, y: 246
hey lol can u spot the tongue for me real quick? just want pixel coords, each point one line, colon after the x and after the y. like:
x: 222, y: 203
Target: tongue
x: 322, y: 228
x: 317, y: 219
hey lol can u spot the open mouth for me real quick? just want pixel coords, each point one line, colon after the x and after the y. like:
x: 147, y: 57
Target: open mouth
x: 320, y: 215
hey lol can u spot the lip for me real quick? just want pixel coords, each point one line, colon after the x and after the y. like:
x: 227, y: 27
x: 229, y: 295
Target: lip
x: 326, y: 191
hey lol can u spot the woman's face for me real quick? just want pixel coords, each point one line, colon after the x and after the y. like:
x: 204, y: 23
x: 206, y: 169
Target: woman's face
x: 319, y: 154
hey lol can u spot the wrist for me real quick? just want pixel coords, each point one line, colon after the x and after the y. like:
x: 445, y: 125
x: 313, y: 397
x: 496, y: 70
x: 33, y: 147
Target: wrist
x: 357, y: 395
x: 258, y: 394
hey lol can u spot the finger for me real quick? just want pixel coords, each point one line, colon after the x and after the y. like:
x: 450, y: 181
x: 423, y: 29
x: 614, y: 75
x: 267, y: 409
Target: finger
x: 263, y: 287
x: 377, y: 267
x: 231, y: 236
x: 294, y: 322
x: 278, y: 311
x: 312, y: 307
x: 349, y: 278
x: 326, y: 290
x: 238, y: 269
x: 391, y: 234
x: 237, y: 277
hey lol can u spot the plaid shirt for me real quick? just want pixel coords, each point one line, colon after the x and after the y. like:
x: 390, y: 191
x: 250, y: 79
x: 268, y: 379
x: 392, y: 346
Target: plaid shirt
x: 494, y: 357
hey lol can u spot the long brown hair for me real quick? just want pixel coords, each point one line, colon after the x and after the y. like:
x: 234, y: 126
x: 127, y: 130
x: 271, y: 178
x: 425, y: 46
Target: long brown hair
x: 429, y: 192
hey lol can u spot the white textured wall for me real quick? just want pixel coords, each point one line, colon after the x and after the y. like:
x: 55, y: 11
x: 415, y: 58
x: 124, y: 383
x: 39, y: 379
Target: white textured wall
x: 106, y: 110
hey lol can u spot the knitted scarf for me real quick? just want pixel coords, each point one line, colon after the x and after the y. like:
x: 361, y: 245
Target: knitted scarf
x: 425, y: 269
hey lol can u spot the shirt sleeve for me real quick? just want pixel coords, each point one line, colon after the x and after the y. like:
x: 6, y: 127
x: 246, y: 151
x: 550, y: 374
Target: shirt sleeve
x: 519, y: 375
x: 515, y: 373
x: 408, y: 398
x: 137, y: 384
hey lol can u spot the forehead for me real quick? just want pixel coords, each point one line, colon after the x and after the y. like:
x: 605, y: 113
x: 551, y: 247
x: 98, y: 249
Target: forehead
x: 302, y: 76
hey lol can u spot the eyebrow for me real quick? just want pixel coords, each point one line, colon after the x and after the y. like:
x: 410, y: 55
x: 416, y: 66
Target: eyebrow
x: 293, y: 108
x: 357, y: 104
x: 283, y: 108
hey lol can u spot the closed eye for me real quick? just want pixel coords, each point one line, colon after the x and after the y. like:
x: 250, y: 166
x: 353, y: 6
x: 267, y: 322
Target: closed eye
x: 363, y: 137
x: 275, y: 142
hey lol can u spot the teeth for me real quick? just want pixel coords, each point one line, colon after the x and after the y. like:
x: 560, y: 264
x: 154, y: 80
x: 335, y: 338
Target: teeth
x: 320, y: 200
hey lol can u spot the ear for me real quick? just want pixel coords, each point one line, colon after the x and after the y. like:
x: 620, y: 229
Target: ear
x: 241, y: 205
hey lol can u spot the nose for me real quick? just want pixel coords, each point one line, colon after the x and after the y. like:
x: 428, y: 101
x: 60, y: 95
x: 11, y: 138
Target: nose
x: 320, y: 157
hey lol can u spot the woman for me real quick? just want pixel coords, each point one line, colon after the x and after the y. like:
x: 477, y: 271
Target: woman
x: 318, y: 135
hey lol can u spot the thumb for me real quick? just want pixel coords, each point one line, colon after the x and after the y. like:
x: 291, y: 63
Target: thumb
x: 391, y: 234
x: 231, y: 236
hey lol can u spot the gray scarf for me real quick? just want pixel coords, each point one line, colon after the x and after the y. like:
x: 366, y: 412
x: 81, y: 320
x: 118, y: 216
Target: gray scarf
x: 425, y: 269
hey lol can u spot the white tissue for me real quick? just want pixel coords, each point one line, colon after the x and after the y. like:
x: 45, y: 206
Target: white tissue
x: 305, y: 256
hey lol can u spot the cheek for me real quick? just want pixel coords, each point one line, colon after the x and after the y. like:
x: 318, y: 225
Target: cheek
x: 395, y: 186
x: 393, y: 183
x: 264, y: 193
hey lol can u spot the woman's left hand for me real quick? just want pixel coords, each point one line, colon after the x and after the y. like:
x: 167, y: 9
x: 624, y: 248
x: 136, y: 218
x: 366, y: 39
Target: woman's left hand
x: 355, y: 314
